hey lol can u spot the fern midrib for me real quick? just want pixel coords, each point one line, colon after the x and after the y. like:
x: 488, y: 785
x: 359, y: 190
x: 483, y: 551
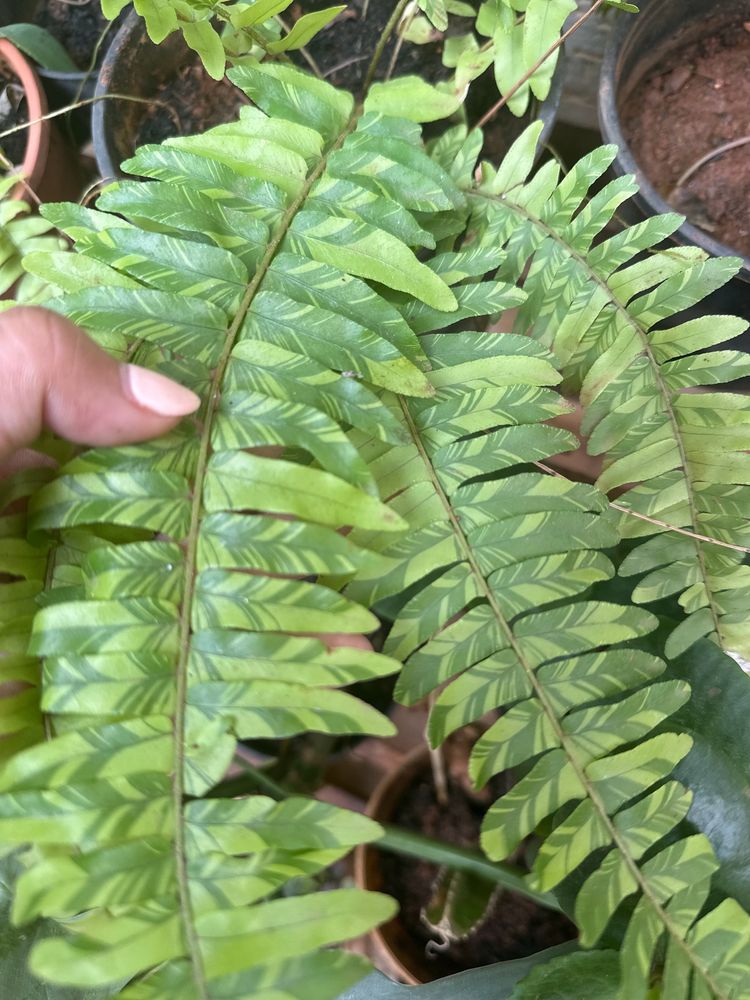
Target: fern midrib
x: 663, y: 392
x: 191, y: 553
x: 540, y: 693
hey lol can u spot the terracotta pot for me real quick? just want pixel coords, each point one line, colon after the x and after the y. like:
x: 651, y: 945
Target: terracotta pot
x: 49, y: 166
x: 38, y: 132
x: 394, y: 951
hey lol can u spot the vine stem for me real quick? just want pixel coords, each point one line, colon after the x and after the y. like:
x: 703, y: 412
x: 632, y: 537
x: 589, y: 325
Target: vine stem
x: 653, y: 520
x: 564, y: 741
x: 489, y: 115
x: 390, y: 27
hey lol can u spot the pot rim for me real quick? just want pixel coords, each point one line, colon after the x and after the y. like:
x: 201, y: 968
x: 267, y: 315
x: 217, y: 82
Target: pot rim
x: 391, y: 786
x: 610, y: 127
x: 38, y: 131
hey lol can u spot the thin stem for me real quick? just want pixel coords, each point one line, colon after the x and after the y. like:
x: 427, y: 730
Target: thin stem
x: 653, y: 520
x: 695, y: 167
x: 400, y: 41
x: 81, y: 104
x: 390, y: 27
x: 343, y: 65
x: 489, y: 115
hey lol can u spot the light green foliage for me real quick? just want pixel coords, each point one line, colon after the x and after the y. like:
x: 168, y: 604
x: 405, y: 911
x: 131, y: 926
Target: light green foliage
x: 21, y: 233
x: 601, y: 307
x: 495, y: 573
x: 254, y: 282
x: 248, y: 28
x: 305, y: 293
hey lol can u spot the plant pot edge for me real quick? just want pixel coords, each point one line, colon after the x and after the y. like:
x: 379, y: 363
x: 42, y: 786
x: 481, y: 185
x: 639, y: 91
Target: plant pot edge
x: 380, y: 807
x: 648, y: 200
x: 38, y: 133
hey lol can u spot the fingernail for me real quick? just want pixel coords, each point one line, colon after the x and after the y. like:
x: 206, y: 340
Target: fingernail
x: 157, y: 393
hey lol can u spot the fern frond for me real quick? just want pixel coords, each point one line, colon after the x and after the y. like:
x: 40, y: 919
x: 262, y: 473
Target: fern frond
x: 494, y: 573
x: 164, y: 633
x: 602, y: 308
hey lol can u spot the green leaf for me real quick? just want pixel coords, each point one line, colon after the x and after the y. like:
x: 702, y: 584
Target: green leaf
x: 305, y: 29
x: 410, y: 97
x: 39, y: 45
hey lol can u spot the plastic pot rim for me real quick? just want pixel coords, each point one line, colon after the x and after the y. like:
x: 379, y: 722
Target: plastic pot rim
x: 610, y: 126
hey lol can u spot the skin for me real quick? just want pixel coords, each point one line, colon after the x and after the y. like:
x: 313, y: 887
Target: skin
x: 53, y: 376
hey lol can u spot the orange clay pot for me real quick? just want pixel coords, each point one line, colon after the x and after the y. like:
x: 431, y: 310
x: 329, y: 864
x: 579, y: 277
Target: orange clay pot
x: 49, y: 166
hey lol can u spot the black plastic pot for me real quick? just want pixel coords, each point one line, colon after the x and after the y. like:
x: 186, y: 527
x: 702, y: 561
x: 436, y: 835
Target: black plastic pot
x: 638, y: 45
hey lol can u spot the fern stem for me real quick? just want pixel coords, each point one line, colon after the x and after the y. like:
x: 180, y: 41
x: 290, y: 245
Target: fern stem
x: 191, y: 554
x: 613, y: 833
x: 662, y: 388
x: 489, y: 115
x: 388, y: 30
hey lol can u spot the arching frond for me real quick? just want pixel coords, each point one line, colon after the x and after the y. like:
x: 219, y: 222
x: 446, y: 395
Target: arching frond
x: 609, y: 309
x: 494, y: 577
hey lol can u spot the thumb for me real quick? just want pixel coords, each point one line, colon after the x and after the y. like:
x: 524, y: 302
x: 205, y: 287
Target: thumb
x: 52, y: 375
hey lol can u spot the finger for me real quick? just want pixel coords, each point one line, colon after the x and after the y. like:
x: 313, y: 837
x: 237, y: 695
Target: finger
x: 19, y: 461
x: 52, y: 375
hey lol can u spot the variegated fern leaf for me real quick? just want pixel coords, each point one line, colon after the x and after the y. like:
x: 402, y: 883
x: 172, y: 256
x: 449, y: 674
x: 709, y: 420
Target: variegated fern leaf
x: 270, y: 265
x: 495, y: 613
x: 180, y: 567
x: 21, y: 233
x: 607, y: 310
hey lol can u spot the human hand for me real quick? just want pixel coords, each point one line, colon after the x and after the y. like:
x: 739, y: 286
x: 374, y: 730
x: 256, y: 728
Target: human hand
x: 52, y: 375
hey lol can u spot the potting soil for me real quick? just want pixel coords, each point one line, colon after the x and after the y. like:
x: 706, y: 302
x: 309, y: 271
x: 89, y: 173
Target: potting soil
x: 344, y: 48
x: 78, y: 28
x: 189, y: 103
x: 514, y: 927
x: 696, y: 101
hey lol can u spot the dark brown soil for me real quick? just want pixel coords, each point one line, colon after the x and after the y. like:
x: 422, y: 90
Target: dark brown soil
x: 514, y: 927
x: 698, y: 100
x: 13, y: 112
x: 343, y: 51
x: 344, y: 48
x: 78, y: 28
x: 191, y: 102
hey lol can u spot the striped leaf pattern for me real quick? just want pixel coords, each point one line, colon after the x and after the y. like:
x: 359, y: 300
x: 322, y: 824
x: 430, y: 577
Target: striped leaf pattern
x: 496, y: 615
x: 252, y: 265
x: 21, y: 234
x: 609, y: 310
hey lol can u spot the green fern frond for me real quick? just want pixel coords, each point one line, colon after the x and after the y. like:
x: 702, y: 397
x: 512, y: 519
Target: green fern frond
x: 250, y: 278
x: 494, y: 576
x: 601, y: 306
